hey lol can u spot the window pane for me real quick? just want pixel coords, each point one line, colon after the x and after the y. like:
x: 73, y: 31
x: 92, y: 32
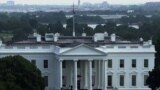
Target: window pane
x: 133, y: 63
x: 109, y: 80
x: 45, y: 63
x: 121, y: 63
x: 93, y: 64
x: 78, y: 64
x: 109, y: 63
x: 33, y: 62
x: 46, y: 80
x: 64, y: 64
x: 121, y: 80
x: 64, y: 79
x: 145, y: 78
x: 145, y: 63
x: 133, y: 80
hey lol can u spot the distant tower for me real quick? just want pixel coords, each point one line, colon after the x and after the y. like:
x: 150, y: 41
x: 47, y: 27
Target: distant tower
x: 74, y: 34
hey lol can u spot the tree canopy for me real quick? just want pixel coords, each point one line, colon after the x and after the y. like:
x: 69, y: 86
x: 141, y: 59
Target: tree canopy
x: 17, y: 73
x: 154, y: 79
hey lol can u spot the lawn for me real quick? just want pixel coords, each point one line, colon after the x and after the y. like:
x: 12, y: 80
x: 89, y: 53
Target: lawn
x: 6, y: 36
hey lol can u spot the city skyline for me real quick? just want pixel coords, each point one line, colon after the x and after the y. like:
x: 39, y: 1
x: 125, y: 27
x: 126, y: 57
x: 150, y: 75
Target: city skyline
x: 69, y: 2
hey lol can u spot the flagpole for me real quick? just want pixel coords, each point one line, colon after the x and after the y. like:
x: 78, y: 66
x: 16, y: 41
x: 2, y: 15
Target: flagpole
x: 73, y: 22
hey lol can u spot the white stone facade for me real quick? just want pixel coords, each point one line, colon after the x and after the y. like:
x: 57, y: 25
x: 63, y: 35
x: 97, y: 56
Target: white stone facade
x: 107, y: 67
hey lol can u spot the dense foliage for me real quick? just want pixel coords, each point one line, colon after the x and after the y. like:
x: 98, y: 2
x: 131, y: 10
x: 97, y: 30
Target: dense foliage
x: 17, y: 73
x: 20, y: 25
x: 154, y: 80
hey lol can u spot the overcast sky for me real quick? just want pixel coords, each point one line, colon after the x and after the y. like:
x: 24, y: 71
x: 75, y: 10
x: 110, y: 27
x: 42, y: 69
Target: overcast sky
x: 68, y: 2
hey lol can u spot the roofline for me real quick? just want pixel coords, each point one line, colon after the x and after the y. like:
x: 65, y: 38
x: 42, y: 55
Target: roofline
x: 54, y: 43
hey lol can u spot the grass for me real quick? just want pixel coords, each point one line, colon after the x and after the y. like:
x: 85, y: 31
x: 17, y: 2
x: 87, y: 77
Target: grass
x: 6, y: 36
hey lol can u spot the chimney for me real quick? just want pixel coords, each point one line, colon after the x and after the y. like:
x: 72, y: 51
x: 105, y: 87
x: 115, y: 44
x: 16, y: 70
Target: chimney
x: 150, y: 42
x: 141, y: 39
x: 56, y: 37
x: 38, y: 37
x: 105, y: 34
x: 113, y: 37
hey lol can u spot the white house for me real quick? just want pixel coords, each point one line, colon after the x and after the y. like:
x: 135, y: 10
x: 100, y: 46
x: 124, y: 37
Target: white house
x: 99, y: 62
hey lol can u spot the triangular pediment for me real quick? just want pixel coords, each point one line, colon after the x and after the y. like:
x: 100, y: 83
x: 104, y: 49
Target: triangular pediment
x: 82, y: 50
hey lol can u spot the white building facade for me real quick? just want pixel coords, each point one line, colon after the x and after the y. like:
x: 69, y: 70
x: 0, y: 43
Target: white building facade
x: 99, y: 62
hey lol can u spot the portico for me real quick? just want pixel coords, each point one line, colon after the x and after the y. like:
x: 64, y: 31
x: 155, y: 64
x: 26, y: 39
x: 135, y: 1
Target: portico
x: 83, y: 67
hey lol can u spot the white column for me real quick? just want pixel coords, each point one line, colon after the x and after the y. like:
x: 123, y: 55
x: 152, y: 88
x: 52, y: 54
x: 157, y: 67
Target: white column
x: 90, y: 75
x: 99, y: 74
x: 61, y: 74
x: 75, y: 75
x: 104, y: 75
x: 82, y: 74
x: 85, y: 75
x: 69, y: 73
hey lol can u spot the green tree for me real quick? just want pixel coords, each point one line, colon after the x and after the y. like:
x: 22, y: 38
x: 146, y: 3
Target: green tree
x: 89, y: 31
x: 33, y: 23
x: 17, y: 73
x: 19, y: 35
x: 56, y: 27
x: 157, y: 47
x: 154, y: 80
x: 99, y: 29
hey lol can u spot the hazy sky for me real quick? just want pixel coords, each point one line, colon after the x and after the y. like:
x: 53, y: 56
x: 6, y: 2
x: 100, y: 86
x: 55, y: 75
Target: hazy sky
x: 60, y: 2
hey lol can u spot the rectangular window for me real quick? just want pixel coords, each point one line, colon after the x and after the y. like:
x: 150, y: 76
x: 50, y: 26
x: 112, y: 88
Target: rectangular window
x: 109, y: 80
x: 93, y: 80
x: 33, y: 62
x: 78, y: 64
x: 121, y: 80
x: 45, y: 63
x: 133, y: 80
x: 146, y: 63
x: 110, y: 63
x: 93, y: 64
x: 133, y: 63
x: 64, y: 64
x: 46, y: 80
x: 64, y: 79
x: 145, y: 78
x: 121, y: 63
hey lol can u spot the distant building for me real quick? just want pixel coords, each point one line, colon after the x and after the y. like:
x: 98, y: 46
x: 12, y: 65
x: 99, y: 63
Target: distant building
x: 130, y: 11
x: 100, y: 62
x: 10, y: 3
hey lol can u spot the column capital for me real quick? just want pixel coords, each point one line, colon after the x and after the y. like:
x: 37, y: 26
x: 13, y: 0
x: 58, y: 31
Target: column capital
x: 105, y: 59
x: 90, y: 59
x: 90, y: 75
x: 75, y: 60
x: 61, y: 60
